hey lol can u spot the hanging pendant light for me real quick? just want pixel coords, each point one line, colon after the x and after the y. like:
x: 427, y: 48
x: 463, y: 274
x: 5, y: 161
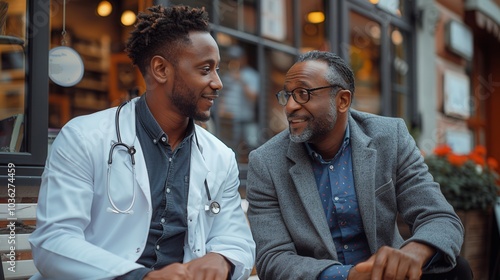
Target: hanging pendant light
x: 104, y: 8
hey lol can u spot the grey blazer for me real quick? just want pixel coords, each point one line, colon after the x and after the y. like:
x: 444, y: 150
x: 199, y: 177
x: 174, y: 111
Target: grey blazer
x: 390, y: 177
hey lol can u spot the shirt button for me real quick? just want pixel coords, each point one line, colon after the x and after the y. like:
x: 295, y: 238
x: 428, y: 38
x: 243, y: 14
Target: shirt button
x: 168, y: 190
x: 336, y: 198
x: 157, y: 247
x: 164, y: 139
x: 343, y: 223
x: 331, y: 167
x: 162, y: 220
x: 346, y: 247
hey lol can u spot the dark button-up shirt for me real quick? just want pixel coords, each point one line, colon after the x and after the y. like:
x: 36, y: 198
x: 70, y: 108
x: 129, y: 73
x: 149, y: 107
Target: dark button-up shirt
x: 168, y: 173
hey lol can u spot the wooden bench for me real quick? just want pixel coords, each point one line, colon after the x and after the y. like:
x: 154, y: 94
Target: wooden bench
x: 17, y: 222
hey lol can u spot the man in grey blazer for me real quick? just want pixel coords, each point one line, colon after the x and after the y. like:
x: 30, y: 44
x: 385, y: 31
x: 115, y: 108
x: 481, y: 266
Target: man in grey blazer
x: 324, y: 195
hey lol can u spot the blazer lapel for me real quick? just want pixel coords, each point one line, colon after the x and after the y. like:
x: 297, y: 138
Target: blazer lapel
x: 305, y: 183
x: 364, y: 168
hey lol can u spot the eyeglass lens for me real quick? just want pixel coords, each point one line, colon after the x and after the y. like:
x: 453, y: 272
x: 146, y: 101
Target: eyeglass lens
x: 300, y: 95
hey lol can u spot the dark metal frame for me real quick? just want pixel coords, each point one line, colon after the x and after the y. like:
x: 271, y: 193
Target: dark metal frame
x: 29, y: 165
x: 385, y: 19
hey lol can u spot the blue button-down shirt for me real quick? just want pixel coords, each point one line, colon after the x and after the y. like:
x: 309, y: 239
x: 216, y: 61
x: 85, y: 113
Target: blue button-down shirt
x: 168, y: 173
x: 335, y: 183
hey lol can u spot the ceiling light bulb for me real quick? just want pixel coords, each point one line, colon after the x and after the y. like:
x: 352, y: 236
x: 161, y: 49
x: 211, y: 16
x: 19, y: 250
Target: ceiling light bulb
x: 315, y: 17
x: 104, y: 8
x: 397, y: 37
x: 128, y: 18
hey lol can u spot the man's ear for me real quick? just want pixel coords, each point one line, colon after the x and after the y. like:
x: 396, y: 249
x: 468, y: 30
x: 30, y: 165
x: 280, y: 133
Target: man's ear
x: 160, y: 69
x: 344, y: 97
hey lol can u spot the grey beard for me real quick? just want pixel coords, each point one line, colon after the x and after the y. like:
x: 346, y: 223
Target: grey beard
x: 302, y: 137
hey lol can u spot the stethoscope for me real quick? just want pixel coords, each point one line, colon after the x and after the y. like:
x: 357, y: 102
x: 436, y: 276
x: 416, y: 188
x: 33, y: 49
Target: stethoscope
x: 212, y: 207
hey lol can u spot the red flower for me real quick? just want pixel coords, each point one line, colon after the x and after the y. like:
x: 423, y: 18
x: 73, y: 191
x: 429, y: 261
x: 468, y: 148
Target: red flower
x: 457, y: 160
x: 479, y: 150
x: 442, y: 150
x: 492, y: 163
x: 478, y: 159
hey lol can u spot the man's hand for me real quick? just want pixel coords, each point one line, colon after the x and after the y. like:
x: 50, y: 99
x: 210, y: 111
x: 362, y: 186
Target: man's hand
x: 175, y: 271
x: 212, y: 266
x: 390, y: 263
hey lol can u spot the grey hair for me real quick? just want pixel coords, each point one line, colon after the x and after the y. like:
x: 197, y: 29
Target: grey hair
x: 339, y: 72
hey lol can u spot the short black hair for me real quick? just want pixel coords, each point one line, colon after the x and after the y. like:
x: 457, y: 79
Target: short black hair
x: 340, y: 73
x: 163, y: 31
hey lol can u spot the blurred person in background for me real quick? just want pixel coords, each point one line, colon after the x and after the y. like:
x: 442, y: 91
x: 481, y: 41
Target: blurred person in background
x: 239, y: 97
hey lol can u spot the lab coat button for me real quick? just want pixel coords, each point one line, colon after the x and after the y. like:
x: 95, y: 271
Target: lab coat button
x: 137, y: 250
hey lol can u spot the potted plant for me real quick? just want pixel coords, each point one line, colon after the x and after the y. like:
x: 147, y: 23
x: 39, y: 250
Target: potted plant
x: 469, y: 183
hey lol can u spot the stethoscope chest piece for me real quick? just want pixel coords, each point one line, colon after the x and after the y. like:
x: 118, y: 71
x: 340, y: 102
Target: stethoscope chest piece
x: 213, y: 207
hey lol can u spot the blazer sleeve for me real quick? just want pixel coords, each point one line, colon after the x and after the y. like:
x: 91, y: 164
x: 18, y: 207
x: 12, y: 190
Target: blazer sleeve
x: 422, y: 206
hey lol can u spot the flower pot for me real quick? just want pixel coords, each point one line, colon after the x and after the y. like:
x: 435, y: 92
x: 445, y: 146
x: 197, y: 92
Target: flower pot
x: 477, y: 243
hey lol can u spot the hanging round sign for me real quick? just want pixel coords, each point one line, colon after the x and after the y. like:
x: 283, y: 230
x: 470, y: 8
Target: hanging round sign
x: 65, y: 66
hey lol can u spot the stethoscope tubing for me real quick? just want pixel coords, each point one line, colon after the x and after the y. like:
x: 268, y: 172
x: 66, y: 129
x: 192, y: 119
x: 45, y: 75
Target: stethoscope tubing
x: 212, y: 207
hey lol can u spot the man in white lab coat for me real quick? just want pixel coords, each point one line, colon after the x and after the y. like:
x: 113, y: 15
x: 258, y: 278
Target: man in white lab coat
x: 140, y: 191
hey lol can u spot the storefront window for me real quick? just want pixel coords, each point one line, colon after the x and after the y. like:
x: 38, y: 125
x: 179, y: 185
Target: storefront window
x: 365, y: 54
x: 400, y: 69
x: 12, y: 75
x: 395, y: 7
x: 240, y: 15
x: 313, y: 18
x: 236, y: 110
x: 277, y: 20
x: 277, y: 63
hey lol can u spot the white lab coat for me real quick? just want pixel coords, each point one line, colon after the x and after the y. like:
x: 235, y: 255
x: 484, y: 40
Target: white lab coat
x: 77, y: 237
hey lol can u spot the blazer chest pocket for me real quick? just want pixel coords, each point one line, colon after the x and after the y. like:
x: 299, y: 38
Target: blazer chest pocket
x: 384, y: 188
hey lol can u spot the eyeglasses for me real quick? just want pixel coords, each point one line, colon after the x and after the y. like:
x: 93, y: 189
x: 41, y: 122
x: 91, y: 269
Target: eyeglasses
x: 300, y: 95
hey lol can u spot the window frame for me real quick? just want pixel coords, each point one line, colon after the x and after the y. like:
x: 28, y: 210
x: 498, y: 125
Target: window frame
x: 385, y: 19
x: 29, y: 165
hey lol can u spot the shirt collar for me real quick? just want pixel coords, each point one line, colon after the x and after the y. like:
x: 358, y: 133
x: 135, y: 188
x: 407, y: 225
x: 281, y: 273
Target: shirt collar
x: 151, y: 126
x: 316, y: 156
